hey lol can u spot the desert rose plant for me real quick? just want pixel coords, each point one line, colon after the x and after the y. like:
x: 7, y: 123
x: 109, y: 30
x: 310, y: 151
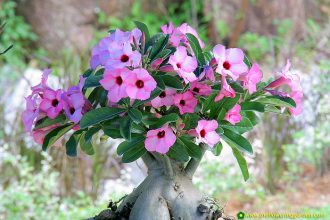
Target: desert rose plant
x: 169, y: 100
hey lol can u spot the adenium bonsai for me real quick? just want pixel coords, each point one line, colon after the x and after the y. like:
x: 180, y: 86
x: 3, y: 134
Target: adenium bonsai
x: 169, y: 100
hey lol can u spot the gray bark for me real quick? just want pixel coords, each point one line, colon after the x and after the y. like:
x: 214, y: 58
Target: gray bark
x: 166, y: 193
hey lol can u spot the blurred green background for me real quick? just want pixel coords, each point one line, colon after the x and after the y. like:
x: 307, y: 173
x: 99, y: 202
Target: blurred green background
x: 290, y: 171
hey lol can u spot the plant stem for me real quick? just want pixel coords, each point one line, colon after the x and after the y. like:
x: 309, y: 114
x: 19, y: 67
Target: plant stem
x: 194, y: 163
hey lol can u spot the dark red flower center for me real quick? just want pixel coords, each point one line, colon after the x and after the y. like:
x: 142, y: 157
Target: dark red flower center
x: 178, y: 65
x: 54, y: 102
x: 161, y: 134
x: 72, y: 110
x: 182, y: 102
x: 196, y: 90
x: 124, y: 58
x: 202, y: 133
x: 119, y: 80
x: 139, y: 84
x: 162, y: 95
x: 226, y: 65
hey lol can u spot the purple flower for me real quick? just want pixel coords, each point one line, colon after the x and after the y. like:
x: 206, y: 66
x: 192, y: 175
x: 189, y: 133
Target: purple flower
x: 115, y: 50
x: 75, y: 103
x: 52, y: 103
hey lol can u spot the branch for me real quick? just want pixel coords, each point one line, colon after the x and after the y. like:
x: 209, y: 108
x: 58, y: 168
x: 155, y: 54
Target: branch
x: 168, y: 167
x: 194, y: 163
x: 149, y: 161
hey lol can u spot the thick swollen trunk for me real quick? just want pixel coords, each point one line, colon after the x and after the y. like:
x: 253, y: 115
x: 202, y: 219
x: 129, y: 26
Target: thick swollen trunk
x: 166, y: 193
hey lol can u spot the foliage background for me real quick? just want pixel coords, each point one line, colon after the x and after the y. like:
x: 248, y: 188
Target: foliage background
x: 291, y: 165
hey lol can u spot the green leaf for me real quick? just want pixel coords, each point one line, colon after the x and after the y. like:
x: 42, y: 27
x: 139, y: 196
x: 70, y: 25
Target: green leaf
x: 98, y: 115
x: 252, y: 106
x: 190, y: 121
x: 55, y: 134
x: 126, y: 145
x: 164, y: 54
x: 209, y: 102
x: 89, y: 134
x: 208, y: 55
x: 247, y: 61
x: 46, y: 122
x: 172, y: 82
x: 87, y: 73
x: 193, y: 42
x: 134, y: 153
x: 217, y: 149
x: 242, y: 163
x: 159, y: 45
x: 153, y: 95
x: 160, y: 82
x: 111, y: 132
x: 135, y: 115
x: 253, y: 118
x: 86, y: 146
x: 241, y: 127
x: 71, y: 144
x: 278, y: 101
x: 237, y: 141
x: 173, y: 117
x: 221, y: 114
x: 144, y: 29
x: 125, y: 128
x: 226, y: 103
x: 178, y: 152
x: 93, y: 81
x: 193, y: 150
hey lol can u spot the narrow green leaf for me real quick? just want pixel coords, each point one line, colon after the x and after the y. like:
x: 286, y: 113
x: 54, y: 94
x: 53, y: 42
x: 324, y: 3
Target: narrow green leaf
x: 208, y: 55
x: 86, y: 146
x: 143, y: 28
x: 217, y: 149
x: 278, y: 101
x: 171, y: 81
x: 237, y: 141
x: 92, y: 81
x: 89, y: 134
x: 55, y: 134
x: 247, y: 61
x: 178, y: 152
x: 173, y: 117
x: 111, y: 132
x: 193, y: 150
x: 242, y: 163
x: 135, y: 115
x: 241, y: 127
x: 158, y: 46
x: 71, y: 144
x: 125, y: 128
x: 193, y: 42
x: 98, y: 115
x: 252, y: 106
x: 221, y: 114
x: 126, y: 145
x: 190, y: 121
x: 253, y: 118
x: 153, y: 95
x: 160, y: 82
x: 46, y: 122
x: 134, y: 153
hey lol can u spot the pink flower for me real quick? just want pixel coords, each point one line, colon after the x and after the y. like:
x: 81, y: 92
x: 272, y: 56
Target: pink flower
x: 293, y: 81
x: 186, y: 102
x: 226, y: 90
x: 31, y: 113
x: 52, y: 102
x: 233, y: 115
x: 177, y: 35
x: 252, y: 78
x: 140, y: 84
x: 200, y: 88
x: 40, y: 134
x: 160, y: 140
x: 75, y: 103
x: 164, y: 99
x: 183, y: 64
x: 230, y: 61
x: 123, y: 57
x: 114, y: 82
x: 114, y: 43
x: 208, y: 73
x: 206, y: 132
